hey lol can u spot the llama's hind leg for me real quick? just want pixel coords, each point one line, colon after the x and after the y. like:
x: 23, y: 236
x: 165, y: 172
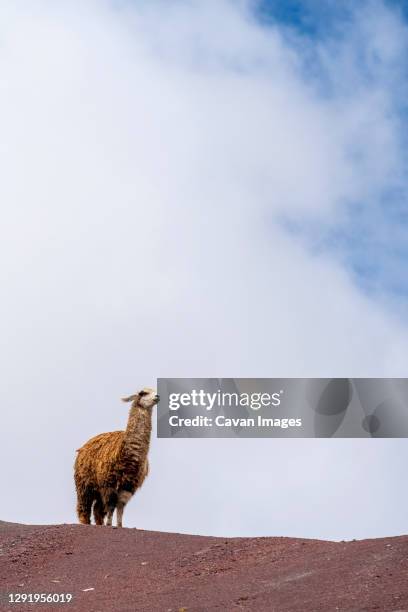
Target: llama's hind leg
x: 85, y: 497
x: 109, y: 499
x: 123, y: 499
x: 99, y: 510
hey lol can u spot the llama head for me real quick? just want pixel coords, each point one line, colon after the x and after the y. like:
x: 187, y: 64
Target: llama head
x: 146, y: 398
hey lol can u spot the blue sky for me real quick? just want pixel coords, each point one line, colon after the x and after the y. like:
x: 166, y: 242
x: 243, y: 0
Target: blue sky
x: 317, y: 17
x: 372, y: 239
x: 312, y: 18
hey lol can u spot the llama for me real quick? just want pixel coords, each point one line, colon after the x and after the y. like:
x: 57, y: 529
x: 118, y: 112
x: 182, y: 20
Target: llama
x: 110, y: 467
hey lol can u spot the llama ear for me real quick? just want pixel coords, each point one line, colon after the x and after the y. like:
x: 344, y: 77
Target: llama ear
x: 131, y: 398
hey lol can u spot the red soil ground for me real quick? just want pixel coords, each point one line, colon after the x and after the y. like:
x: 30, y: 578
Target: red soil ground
x: 127, y: 570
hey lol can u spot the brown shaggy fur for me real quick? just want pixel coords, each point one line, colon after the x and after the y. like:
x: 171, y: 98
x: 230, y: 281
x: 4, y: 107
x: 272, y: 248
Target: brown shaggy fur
x: 110, y: 467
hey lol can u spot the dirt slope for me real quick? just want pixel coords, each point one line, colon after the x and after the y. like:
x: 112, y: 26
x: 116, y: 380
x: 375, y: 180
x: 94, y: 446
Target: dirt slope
x: 130, y: 570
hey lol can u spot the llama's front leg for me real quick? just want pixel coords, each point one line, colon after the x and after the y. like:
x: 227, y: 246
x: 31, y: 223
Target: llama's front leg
x: 123, y: 499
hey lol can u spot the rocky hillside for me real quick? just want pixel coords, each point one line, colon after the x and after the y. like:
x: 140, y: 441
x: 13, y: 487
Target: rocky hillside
x: 129, y: 570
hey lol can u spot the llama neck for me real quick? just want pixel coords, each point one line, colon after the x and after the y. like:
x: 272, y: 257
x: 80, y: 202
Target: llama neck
x: 137, y: 433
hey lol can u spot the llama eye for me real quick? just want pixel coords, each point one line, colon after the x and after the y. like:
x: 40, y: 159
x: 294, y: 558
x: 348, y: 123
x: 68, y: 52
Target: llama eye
x: 142, y: 393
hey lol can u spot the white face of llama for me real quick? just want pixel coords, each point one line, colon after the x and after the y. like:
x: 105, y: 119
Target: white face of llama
x: 147, y: 397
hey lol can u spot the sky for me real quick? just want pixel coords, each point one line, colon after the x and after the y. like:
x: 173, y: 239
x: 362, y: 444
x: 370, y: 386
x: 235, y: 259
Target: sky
x: 195, y: 189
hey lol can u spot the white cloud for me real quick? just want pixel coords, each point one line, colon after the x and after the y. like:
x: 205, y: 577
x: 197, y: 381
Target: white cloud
x: 147, y: 151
